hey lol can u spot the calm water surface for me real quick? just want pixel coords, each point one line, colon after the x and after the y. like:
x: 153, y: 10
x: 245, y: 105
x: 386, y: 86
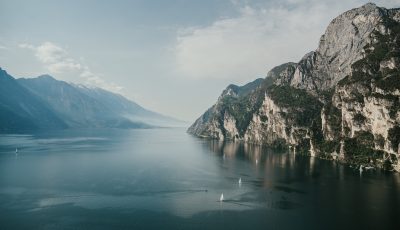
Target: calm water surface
x: 166, y: 179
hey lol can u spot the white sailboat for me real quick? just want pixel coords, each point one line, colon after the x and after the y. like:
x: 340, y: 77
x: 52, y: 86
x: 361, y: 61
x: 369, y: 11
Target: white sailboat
x: 16, y: 150
x: 240, y: 181
x: 221, y: 198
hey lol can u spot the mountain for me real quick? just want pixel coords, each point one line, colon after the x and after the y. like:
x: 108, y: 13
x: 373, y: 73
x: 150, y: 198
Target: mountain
x: 230, y: 113
x: 341, y: 101
x: 129, y: 109
x: 21, y: 111
x: 47, y: 103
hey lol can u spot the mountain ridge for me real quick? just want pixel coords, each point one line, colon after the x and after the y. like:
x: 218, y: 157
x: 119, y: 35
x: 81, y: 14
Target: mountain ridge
x: 73, y: 106
x: 20, y: 110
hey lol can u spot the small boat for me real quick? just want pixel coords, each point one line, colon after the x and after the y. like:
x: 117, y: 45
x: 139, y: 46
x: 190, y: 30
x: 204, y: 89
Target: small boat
x: 256, y: 161
x: 361, y: 169
x: 221, y: 199
x: 240, y: 181
x: 16, y: 151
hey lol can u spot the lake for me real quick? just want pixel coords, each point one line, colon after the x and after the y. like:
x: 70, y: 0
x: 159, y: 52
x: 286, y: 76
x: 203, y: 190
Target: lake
x: 167, y: 179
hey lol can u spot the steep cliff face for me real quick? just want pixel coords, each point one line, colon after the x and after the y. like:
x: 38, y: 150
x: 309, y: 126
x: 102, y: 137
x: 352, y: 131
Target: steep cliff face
x: 285, y: 117
x: 341, y: 101
x: 369, y: 98
x: 229, y: 117
x: 341, y: 46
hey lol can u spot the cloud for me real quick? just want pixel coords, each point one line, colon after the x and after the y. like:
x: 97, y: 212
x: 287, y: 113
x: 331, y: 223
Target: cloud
x: 244, y: 46
x: 26, y: 46
x: 57, y: 61
x: 258, y: 38
x: 55, y: 58
x: 64, y: 66
x: 50, y: 53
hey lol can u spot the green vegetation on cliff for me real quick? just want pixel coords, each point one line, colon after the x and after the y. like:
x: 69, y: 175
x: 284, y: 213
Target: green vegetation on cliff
x: 303, y: 107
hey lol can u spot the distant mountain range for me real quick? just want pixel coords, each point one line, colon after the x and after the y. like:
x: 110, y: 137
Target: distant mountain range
x: 29, y: 104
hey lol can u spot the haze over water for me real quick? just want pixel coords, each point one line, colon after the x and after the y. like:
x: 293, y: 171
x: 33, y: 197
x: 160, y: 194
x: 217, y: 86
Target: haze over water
x: 165, y: 178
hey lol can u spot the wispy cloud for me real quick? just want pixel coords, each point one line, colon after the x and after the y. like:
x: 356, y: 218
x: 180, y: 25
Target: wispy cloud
x: 57, y: 61
x: 260, y: 37
x: 54, y: 57
x: 247, y: 45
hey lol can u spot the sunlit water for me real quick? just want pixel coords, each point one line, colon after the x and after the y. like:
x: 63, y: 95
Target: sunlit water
x: 166, y: 179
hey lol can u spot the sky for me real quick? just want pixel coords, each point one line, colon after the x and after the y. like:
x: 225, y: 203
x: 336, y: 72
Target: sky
x: 174, y: 57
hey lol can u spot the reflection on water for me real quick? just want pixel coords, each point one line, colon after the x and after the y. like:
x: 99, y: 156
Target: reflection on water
x: 250, y: 152
x: 164, y: 178
x: 264, y: 161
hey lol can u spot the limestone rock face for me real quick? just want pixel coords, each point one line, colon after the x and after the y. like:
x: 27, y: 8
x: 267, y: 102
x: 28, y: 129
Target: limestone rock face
x: 270, y: 125
x: 221, y: 120
x: 341, y: 101
x: 283, y: 74
x: 341, y: 45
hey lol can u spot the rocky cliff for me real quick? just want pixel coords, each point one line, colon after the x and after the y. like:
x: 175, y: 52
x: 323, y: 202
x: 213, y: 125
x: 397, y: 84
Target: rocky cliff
x: 341, y: 101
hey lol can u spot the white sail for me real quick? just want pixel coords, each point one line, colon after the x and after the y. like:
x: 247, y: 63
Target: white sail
x: 221, y: 198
